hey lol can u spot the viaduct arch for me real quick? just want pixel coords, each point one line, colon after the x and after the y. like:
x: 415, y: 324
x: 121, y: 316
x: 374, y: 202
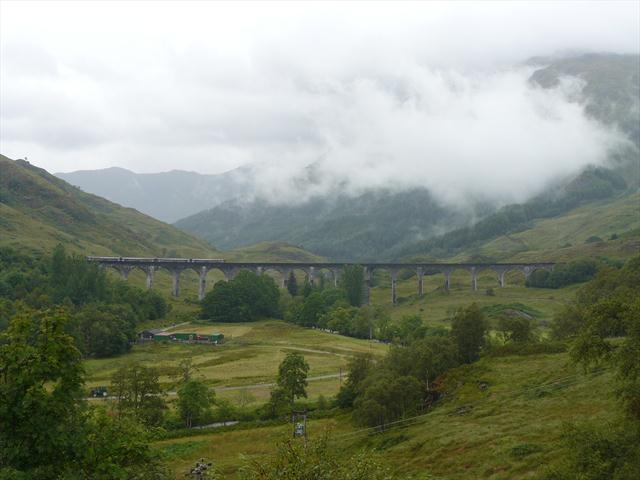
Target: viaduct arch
x: 202, y: 266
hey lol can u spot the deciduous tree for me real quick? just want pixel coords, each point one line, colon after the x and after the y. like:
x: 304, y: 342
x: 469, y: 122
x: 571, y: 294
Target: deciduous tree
x: 40, y: 393
x: 194, y: 401
x: 138, y: 392
x: 292, y: 377
x: 468, y: 329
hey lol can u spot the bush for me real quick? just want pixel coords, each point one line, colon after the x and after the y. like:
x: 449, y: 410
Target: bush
x: 243, y: 299
x: 593, y: 239
x: 563, y: 275
x: 567, y: 322
x: 516, y: 329
x: 468, y: 329
x: 597, y: 453
x: 315, y: 460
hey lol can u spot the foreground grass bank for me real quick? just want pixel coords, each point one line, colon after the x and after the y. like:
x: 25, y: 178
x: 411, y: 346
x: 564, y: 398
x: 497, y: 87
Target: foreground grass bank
x: 503, y: 418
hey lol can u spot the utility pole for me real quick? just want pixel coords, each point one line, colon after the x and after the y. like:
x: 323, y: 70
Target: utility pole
x: 299, y: 420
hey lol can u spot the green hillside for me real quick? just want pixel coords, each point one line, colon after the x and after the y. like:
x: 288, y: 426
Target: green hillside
x: 339, y: 227
x: 38, y: 211
x: 591, y: 187
x: 609, y: 228
x: 271, y: 252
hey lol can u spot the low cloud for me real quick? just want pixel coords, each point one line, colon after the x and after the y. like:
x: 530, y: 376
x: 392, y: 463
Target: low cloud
x: 491, y: 137
x: 392, y: 95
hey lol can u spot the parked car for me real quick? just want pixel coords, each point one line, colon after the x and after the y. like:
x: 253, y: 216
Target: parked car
x: 98, y: 392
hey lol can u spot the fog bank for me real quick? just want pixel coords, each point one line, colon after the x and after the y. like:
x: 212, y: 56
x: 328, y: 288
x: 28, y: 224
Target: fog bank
x: 372, y: 95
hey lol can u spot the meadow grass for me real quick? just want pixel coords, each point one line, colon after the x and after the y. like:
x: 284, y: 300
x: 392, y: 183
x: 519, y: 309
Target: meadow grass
x: 510, y: 430
x: 251, y: 354
x: 437, y: 305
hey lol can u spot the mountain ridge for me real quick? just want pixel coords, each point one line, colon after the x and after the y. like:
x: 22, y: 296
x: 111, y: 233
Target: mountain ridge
x: 174, y: 194
x: 610, y: 95
x: 390, y: 224
x: 39, y: 210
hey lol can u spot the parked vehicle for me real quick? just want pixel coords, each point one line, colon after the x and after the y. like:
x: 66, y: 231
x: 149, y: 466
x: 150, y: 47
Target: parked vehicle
x: 98, y: 392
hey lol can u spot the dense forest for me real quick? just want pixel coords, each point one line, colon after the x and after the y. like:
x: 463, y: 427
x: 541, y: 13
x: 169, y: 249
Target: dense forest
x: 104, y: 313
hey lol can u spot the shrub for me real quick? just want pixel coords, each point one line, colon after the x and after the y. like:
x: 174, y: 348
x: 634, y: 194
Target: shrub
x: 516, y: 329
x: 468, y: 329
x: 563, y: 275
x: 243, y: 299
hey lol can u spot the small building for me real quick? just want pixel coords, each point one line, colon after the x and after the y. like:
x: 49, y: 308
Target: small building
x: 149, y: 335
x: 188, y: 337
x: 184, y: 337
x: 162, y: 337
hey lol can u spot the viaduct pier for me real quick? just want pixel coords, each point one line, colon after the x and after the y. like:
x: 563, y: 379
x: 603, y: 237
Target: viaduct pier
x: 202, y: 266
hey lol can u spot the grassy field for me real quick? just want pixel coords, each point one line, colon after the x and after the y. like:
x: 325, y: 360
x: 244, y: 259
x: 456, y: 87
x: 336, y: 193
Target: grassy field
x: 518, y: 419
x: 437, y: 305
x: 510, y: 430
x: 229, y: 450
x: 253, y: 350
x: 250, y: 355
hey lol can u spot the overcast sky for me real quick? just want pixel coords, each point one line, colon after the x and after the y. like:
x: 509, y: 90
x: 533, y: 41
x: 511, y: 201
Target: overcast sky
x: 380, y: 93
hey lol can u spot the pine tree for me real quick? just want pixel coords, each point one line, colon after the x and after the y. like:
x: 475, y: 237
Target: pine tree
x: 292, y: 284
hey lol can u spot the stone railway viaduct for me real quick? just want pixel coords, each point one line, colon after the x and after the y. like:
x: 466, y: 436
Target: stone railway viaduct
x: 175, y: 266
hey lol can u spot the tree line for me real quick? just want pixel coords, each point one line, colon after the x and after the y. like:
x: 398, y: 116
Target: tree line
x: 47, y: 429
x: 404, y: 383
x: 578, y: 271
x: 104, y: 312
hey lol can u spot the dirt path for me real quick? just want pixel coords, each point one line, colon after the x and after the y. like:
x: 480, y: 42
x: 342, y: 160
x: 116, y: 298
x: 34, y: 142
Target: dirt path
x: 241, y: 387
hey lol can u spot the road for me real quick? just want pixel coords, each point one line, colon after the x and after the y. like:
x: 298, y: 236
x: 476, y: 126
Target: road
x: 240, y: 387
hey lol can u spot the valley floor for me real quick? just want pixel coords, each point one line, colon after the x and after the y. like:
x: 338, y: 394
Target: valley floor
x: 249, y: 357
x: 510, y: 430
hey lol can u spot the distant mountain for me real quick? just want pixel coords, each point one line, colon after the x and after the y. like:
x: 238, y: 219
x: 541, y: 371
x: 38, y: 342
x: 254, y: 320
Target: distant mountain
x: 384, y: 224
x: 167, y: 196
x: 38, y: 211
x: 341, y: 228
x: 611, y: 95
x: 381, y: 223
x: 271, y: 252
x: 612, y: 86
x: 590, y: 187
x: 608, y: 228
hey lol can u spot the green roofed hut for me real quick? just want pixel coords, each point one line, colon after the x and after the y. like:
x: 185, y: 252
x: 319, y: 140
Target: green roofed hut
x: 189, y: 337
